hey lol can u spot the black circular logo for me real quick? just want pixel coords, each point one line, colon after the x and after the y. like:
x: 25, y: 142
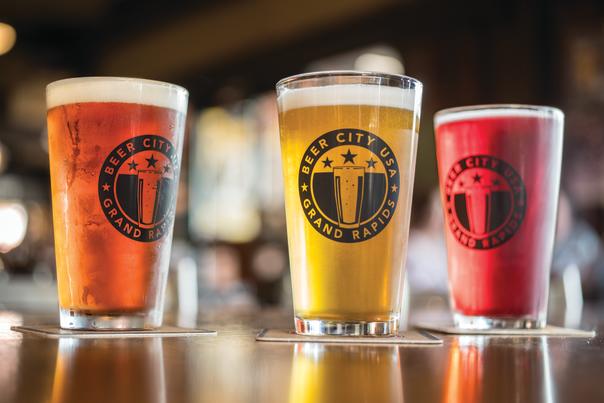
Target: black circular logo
x: 349, y: 184
x: 137, y: 187
x: 485, y: 201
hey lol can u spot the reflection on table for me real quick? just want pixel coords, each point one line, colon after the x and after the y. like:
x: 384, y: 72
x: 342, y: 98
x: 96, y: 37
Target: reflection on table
x: 481, y: 369
x: 327, y: 373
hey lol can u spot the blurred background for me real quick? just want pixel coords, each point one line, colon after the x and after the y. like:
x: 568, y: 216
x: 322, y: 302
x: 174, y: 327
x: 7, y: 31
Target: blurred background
x: 230, y: 227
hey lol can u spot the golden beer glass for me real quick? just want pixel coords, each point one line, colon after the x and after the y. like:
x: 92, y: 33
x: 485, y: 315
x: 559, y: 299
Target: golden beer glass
x: 348, y: 143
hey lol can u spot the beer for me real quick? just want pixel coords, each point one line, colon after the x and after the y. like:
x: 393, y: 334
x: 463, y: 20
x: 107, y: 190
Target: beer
x: 115, y: 147
x: 499, y: 169
x: 348, y: 155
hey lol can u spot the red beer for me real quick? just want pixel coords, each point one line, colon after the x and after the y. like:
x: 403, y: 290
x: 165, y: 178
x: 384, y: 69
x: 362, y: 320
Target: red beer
x: 499, y: 170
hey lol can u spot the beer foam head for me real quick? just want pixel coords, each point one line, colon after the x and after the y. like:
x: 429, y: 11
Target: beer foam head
x: 351, y: 94
x: 495, y: 111
x: 116, y: 89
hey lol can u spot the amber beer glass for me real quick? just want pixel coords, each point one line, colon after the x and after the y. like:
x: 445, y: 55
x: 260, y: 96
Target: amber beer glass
x: 348, y: 142
x: 115, y: 146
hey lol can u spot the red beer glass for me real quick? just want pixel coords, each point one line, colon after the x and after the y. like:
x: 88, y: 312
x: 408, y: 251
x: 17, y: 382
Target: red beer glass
x: 499, y: 170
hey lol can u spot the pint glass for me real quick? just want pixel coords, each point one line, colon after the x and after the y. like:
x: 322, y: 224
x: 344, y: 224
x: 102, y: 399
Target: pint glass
x: 348, y: 143
x: 115, y: 146
x: 499, y: 170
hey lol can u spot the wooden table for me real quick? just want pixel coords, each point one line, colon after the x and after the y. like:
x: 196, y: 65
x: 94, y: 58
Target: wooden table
x: 232, y: 367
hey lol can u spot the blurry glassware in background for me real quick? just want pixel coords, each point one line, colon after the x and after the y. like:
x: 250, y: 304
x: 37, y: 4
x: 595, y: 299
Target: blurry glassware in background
x: 378, y: 58
x: 235, y: 179
x: 577, y: 254
x: 4, y: 157
x: 8, y: 37
x: 13, y: 225
x: 571, y: 279
x: 427, y: 256
x: 373, y: 61
x: 427, y: 264
x: 577, y: 243
x: 26, y: 103
x: 187, y: 291
x: 220, y: 284
x: 27, y: 269
x: 270, y: 266
x: 269, y: 262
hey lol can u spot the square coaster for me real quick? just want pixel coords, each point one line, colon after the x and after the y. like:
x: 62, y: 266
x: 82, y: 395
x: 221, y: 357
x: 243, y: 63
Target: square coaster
x: 55, y: 332
x: 407, y: 337
x: 552, y: 331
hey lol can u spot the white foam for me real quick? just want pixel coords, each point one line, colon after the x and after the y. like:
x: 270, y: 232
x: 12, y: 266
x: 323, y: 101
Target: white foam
x: 482, y: 112
x: 116, y: 89
x: 351, y: 94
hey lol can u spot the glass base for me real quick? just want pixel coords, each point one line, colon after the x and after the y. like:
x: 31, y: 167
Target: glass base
x: 70, y: 319
x: 317, y: 327
x: 486, y: 322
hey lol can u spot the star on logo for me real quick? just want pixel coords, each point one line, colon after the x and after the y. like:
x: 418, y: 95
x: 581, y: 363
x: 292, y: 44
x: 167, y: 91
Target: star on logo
x: 371, y: 163
x: 327, y: 162
x: 496, y: 182
x: 477, y: 178
x: 394, y: 188
x: 166, y: 168
x: 304, y: 187
x: 132, y: 165
x: 348, y: 157
x: 106, y: 187
x: 151, y: 162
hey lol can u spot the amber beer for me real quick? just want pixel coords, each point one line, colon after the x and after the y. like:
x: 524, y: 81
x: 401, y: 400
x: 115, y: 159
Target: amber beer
x: 115, y: 146
x: 348, y: 143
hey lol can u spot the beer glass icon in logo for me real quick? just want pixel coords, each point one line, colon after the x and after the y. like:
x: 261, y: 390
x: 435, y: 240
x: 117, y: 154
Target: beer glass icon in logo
x: 151, y: 186
x: 483, y: 203
x: 486, y: 199
x: 348, y: 186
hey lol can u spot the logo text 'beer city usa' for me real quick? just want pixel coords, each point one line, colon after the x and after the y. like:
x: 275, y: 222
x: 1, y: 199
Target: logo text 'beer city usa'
x: 485, y: 201
x: 348, y: 184
x: 137, y: 187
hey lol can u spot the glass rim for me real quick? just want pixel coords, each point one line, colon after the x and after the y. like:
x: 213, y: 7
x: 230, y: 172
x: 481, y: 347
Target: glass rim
x: 109, y: 79
x: 348, y: 73
x: 441, y: 115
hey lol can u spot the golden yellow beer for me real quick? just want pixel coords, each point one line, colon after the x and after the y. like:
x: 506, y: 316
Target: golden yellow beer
x: 348, y: 155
